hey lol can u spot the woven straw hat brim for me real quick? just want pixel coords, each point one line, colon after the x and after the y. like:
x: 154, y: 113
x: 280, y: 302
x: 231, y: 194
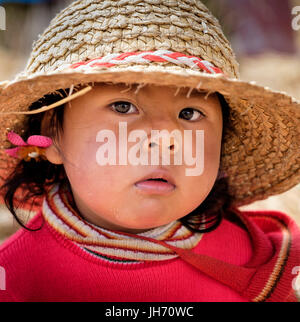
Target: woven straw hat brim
x: 261, y: 155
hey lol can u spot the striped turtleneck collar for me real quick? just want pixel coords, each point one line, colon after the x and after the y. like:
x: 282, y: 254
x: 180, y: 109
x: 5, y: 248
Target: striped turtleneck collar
x: 113, y: 245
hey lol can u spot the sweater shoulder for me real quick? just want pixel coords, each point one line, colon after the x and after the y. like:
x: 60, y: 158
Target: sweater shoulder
x: 20, y: 256
x: 229, y: 242
x: 269, y: 215
x: 21, y: 239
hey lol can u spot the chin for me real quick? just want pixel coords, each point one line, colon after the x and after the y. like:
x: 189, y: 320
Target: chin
x: 146, y: 222
x: 146, y: 214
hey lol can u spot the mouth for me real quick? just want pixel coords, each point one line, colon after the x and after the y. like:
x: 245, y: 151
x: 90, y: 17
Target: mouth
x: 156, y: 183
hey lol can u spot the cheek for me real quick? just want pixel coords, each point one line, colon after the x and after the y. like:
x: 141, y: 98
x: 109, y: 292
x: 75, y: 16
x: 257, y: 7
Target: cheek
x: 207, y: 150
x: 210, y: 161
x: 212, y: 151
x: 86, y: 175
x: 212, y: 142
x: 79, y: 154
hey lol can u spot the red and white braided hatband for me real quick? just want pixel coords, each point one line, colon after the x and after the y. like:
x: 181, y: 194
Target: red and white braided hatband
x: 147, y: 57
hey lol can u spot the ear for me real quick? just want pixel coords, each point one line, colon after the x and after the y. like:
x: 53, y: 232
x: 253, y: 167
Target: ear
x: 52, y: 153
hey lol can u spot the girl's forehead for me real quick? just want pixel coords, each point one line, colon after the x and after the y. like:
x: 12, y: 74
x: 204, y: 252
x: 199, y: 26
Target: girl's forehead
x: 135, y: 89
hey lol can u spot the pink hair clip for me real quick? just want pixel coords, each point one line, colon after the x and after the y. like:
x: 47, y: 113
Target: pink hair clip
x: 34, y: 148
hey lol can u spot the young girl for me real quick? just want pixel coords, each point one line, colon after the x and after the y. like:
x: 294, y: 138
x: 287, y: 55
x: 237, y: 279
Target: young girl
x: 115, y: 226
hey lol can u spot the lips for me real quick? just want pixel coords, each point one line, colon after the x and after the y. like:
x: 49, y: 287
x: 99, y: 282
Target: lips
x: 157, y: 182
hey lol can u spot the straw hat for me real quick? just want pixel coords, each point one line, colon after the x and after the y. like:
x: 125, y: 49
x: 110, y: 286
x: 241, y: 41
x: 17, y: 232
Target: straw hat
x: 165, y: 42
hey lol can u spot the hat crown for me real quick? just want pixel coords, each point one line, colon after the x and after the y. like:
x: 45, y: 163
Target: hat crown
x: 93, y: 28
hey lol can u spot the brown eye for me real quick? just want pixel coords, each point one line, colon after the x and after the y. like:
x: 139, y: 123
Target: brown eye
x: 123, y: 107
x: 191, y: 114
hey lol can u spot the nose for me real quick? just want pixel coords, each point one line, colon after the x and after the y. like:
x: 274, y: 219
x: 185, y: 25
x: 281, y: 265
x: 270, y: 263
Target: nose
x: 164, y: 140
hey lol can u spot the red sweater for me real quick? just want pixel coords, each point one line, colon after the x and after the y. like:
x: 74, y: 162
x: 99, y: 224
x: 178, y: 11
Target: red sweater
x: 46, y: 266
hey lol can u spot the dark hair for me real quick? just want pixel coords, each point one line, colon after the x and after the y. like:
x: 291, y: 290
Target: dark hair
x: 36, y: 177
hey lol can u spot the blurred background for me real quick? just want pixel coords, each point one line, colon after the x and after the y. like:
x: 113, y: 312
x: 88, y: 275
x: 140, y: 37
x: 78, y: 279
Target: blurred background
x: 265, y: 36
